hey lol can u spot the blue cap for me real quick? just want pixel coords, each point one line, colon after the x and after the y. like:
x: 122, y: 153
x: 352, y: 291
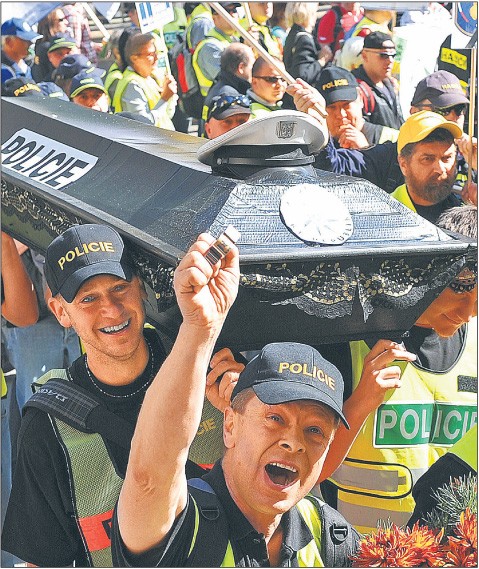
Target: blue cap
x: 52, y: 90
x: 20, y: 29
x: 73, y: 64
x: 85, y: 80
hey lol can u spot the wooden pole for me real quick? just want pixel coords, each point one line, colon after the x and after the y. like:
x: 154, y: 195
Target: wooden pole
x: 259, y: 48
x: 472, y: 105
x: 247, y: 13
x: 94, y: 17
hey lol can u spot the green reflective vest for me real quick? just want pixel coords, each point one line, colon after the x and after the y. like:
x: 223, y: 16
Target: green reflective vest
x: 214, y: 37
x: 466, y: 448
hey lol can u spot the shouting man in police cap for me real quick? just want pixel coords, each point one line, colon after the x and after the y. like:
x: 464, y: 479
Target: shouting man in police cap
x: 285, y: 409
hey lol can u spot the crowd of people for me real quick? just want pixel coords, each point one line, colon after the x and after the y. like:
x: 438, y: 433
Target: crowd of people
x: 108, y: 480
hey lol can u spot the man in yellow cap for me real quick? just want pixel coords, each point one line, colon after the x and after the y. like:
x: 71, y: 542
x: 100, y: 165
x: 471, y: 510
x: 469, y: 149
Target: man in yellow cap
x: 427, y: 158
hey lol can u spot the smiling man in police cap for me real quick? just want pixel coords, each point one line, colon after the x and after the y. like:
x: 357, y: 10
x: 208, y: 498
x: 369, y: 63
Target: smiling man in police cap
x: 344, y: 104
x: 67, y: 482
x: 285, y: 409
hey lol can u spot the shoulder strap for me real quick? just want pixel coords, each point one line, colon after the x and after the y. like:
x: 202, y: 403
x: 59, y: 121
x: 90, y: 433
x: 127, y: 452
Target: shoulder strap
x: 367, y: 96
x: 211, y: 539
x: 339, y: 539
x: 338, y: 28
x: 78, y: 408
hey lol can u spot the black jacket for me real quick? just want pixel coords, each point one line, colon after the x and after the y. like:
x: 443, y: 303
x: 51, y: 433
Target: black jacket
x: 300, y: 55
x: 387, y: 110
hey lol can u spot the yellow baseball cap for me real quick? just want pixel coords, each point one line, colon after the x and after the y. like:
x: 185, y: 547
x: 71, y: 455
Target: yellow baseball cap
x: 419, y: 125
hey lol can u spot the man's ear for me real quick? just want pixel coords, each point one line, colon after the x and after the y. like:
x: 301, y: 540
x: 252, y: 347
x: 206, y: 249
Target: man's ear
x: 57, y: 307
x: 207, y: 129
x: 403, y: 163
x: 229, y: 429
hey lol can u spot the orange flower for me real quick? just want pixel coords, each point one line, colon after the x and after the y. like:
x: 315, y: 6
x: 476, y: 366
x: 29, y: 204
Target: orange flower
x: 420, y: 546
x: 463, y: 548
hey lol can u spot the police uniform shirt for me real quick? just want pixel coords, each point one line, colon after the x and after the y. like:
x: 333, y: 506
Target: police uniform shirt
x: 248, y: 545
x: 40, y: 526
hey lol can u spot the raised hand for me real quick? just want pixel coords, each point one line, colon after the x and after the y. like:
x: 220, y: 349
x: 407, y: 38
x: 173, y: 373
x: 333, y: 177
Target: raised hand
x: 205, y: 293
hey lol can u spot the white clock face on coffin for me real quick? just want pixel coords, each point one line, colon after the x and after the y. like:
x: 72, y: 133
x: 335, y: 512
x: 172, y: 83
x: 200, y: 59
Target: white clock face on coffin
x: 316, y: 215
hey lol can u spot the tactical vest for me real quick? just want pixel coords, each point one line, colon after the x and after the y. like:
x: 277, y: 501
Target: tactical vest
x: 261, y: 110
x: 410, y: 430
x: 334, y: 538
x: 212, y: 37
x: 270, y: 43
x: 152, y: 91
x: 94, y: 482
x: 111, y: 80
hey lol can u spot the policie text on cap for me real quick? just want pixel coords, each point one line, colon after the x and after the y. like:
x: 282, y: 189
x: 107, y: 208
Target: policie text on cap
x: 82, y: 252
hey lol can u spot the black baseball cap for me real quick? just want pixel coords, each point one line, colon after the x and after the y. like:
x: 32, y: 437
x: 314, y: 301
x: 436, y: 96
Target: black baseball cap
x: 85, y: 80
x: 73, y: 64
x: 285, y: 371
x: 61, y: 40
x: 441, y: 88
x: 82, y: 252
x: 21, y: 87
x: 337, y: 84
x: 376, y: 40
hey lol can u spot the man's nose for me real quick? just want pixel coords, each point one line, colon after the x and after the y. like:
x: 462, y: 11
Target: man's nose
x: 110, y: 306
x: 293, y: 440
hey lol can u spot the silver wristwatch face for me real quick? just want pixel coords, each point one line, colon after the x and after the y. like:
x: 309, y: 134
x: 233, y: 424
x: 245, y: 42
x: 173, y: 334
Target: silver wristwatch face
x: 315, y: 215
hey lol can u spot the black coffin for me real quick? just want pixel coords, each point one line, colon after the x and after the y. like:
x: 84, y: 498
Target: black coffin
x: 62, y: 164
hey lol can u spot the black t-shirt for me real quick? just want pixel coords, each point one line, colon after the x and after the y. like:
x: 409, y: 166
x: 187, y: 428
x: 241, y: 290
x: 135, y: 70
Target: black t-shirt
x: 249, y: 546
x: 40, y: 525
x: 440, y: 473
x: 432, y: 212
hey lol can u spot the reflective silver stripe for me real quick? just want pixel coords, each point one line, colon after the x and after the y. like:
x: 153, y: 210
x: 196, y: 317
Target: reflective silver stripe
x: 366, y: 517
x: 373, y: 478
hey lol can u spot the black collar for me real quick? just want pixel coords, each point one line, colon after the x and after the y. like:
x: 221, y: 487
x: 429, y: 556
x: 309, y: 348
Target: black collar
x: 296, y: 533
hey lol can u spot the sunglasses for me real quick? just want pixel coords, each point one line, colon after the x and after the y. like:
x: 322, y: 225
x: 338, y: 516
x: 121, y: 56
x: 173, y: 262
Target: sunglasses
x: 224, y: 102
x: 270, y: 79
x: 459, y: 109
x: 382, y: 54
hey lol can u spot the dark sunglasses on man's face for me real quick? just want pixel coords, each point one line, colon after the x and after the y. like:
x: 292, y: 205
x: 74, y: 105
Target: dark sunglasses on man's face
x: 458, y: 110
x: 223, y: 102
x: 270, y: 79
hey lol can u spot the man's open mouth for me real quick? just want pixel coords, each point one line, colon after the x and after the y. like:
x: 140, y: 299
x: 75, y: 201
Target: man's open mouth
x: 115, y: 329
x: 281, y: 474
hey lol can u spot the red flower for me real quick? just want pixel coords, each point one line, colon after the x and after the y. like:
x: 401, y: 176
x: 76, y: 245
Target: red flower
x: 420, y: 546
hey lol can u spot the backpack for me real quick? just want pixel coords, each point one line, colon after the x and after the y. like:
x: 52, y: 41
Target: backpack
x: 181, y: 63
x: 338, y: 28
x: 367, y: 96
x: 339, y: 540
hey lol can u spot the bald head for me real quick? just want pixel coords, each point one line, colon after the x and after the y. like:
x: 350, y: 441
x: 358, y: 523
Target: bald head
x: 238, y: 59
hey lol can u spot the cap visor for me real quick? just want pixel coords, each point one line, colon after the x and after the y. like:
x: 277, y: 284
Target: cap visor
x: 83, y: 87
x: 345, y: 94
x: 275, y: 392
x: 235, y: 110
x: 72, y: 285
x: 449, y: 99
